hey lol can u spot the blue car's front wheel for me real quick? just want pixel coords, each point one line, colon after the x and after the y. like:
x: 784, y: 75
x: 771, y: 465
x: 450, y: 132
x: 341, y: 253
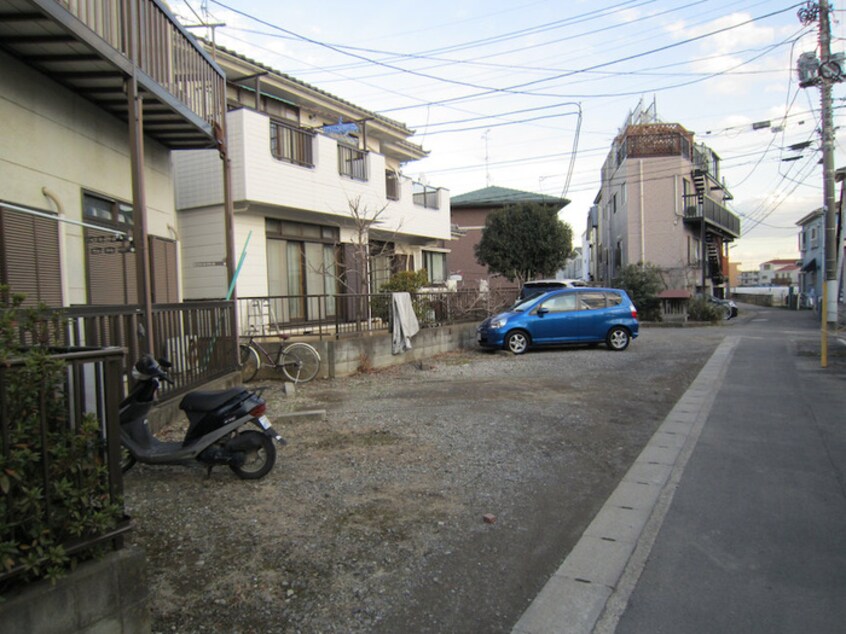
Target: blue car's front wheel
x: 517, y: 342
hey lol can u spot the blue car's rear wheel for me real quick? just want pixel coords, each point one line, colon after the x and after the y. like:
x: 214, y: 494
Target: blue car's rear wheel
x: 618, y: 338
x: 517, y: 342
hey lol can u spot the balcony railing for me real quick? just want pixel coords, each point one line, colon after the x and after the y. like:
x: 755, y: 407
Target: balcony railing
x: 425, y: 196
x: 291, y: 144
x: 716, y: 215
x: 352, y: 162
x: 92, y: 46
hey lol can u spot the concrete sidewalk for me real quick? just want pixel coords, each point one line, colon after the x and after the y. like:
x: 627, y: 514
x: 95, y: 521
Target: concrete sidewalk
x: 733, y: 519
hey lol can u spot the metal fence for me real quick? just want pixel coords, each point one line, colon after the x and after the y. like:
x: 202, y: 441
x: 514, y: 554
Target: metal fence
x: 333, y: 316
x: 197, y: 337
x: 91, y: 386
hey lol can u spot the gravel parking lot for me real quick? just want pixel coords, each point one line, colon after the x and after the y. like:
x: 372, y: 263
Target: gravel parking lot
x: 434, y: 497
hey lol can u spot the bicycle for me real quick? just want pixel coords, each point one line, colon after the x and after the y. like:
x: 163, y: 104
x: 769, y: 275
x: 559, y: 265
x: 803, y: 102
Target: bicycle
x: 298, y: 361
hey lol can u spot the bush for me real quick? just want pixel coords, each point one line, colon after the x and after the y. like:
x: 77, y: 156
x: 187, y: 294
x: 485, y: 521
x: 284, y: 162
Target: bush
x: 53, y: 477
x: 402, y: 282
x: 643, y: 284
x: 700, y: 309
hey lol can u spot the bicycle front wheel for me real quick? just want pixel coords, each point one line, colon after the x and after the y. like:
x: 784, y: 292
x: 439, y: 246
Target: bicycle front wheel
x: 300, y: 362
x: 250, y: 363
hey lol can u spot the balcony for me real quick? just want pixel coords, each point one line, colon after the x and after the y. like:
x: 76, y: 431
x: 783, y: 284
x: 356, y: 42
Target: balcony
x: 93, y: 46
x: 716, y: 216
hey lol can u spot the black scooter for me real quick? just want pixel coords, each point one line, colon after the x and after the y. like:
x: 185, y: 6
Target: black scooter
x: 215, y: 419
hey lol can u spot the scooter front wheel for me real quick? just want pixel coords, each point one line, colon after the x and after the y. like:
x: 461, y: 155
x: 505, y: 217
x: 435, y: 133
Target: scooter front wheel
x: 258, y: 459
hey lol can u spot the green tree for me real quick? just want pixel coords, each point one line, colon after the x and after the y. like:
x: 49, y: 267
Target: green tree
x: 643, y: 283
x: 524, y: 241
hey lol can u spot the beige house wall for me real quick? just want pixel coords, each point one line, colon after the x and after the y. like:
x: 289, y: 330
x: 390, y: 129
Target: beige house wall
x: 53, y: 139
x: 649, y: 216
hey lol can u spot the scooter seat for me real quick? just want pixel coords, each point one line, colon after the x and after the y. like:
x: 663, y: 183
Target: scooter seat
x: 210, y: 400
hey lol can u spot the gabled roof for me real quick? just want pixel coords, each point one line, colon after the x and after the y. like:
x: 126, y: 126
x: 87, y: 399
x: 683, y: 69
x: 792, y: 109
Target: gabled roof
x: 811, y: 216
x: 399, y: 127
x: 501, y: 196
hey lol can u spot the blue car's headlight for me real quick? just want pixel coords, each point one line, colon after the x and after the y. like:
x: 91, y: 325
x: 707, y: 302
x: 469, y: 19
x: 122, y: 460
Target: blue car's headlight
x: 498, y: 323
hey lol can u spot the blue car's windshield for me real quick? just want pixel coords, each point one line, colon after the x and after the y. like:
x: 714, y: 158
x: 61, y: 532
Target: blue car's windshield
x: 520, y: 305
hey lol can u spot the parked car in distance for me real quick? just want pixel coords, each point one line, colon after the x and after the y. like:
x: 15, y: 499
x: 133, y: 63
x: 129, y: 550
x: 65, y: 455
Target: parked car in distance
x: 727, y: 307
x: 536, y: 287
x: 575, y: 315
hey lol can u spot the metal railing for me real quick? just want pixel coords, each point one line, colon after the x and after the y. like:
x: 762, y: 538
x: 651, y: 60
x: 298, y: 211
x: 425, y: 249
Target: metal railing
x: 291, y: 144
x: 425, y: 196
x: 350, y: 313
x: 197, y: 337
x: 715, y: 214
x: 91, y: 387
x: 168, y: 54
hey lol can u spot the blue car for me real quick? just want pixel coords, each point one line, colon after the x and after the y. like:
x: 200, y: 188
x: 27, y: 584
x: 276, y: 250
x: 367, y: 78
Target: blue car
x: 570, y: 315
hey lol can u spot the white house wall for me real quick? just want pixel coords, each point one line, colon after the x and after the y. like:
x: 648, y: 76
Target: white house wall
x: 54, y: 139
x: 260, y: 178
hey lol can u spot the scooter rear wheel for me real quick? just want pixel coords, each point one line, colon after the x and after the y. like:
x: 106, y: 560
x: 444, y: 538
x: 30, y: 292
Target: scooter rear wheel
x: 257, y: 461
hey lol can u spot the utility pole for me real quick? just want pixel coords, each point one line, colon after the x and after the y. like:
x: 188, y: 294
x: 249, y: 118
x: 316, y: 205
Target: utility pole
x: 828, y: 72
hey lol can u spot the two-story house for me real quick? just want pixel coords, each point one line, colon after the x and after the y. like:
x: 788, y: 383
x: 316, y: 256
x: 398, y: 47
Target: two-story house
x: 662, y: 202
x: 779, y: 272
x: 812, y: 253
x: 94, y: 96
x: 321, y: 206
x: 469, y: 213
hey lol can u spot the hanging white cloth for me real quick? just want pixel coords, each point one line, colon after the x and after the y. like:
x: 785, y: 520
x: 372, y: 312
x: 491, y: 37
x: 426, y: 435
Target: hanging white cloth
x: 405, y: 324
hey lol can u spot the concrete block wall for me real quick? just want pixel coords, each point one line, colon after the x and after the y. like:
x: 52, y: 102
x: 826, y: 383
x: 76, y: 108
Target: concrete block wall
x: 107, y: 596
x: 344, y: 357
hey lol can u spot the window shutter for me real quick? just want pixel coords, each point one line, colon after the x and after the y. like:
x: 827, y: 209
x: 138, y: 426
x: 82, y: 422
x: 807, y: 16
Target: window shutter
x: 30, y: 257
x: 111, y: 269
x: 163, y: 262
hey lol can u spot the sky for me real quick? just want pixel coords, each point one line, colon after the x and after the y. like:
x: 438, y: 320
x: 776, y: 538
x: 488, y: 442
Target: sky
x: 530, y: 95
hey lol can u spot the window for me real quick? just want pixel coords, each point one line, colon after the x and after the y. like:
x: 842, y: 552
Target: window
x: 692, y: 250
x: 352, y: 162
x: 301, y: 270
x: 291, y: 144
x: 560, y: 303
x: 392, y: 185
x: 814, y: 238
x: 591, y: 300
x: 435, y: 265
x: 29, y: 256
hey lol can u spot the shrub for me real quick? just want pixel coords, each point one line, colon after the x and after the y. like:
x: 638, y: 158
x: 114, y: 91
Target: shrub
x: 53, y: 477
x: 402, y: 282
x: 643, y: 283
x: 700, y: 309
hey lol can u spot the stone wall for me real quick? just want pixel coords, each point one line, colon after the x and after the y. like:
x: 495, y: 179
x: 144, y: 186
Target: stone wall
x: 107, y: 596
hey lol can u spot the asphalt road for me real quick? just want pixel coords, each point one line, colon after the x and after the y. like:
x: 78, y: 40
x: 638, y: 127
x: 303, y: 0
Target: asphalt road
x: 755, y: 538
